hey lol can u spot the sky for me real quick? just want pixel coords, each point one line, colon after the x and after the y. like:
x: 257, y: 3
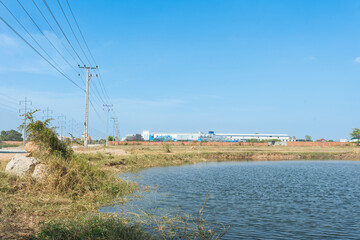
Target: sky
x: 235, y: 66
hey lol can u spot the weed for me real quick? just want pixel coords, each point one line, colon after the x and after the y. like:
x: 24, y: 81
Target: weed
x: 46, y: 139
x: 167, y: 148
x: 92, y: 227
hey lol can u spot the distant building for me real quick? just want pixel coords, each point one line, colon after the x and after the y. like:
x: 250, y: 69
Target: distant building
x: 134, y: 138
x: 211, y: 136
x: 163, y: 137
x: 344, y: 140
x: 83, y: 137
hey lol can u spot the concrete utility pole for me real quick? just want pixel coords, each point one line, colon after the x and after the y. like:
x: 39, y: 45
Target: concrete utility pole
x: 86, y: 123
x: 114, y: 120
x: 25, y: 112
x: 108, y: 108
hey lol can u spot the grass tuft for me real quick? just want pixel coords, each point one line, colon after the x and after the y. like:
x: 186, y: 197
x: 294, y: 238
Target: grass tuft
x: 91, y: 227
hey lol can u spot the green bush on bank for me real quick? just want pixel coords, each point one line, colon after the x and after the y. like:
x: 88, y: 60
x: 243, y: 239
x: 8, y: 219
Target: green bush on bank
x: 68, y: 174
x: 91, y: 227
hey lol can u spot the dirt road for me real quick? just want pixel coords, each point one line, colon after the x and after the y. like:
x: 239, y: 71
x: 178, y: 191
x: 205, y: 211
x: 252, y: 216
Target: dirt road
x: 7, y: 153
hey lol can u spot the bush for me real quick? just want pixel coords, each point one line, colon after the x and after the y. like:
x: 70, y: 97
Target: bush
x: 71, y: 175
x: 91, y: 227
x: 46, y: 139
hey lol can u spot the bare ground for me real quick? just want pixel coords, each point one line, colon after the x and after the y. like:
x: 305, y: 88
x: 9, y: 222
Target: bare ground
x: 107, y: 151
x: 5, y: 154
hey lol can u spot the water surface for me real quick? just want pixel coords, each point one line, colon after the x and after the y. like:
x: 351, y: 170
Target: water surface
x: 260, y: 200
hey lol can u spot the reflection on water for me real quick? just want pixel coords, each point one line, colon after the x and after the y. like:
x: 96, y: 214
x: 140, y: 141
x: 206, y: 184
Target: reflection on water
x: 271, y: 200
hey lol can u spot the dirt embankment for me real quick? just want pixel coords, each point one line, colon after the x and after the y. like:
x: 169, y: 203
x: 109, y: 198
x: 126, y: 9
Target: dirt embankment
x: 282, y: 156
x: 107, y: 151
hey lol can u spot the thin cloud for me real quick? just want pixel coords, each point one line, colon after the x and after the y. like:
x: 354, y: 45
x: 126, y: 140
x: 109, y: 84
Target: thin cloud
x: 7, y: 41
x: 357, y: 60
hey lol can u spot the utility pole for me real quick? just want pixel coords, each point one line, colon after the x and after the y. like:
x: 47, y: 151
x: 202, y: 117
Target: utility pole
x: 46, y: 113
x: 72, y: 122
x: 114, y: 120
x: 61, y: 121
x: 86, y: 123
x: 108, y: 108
x: 25, y: 102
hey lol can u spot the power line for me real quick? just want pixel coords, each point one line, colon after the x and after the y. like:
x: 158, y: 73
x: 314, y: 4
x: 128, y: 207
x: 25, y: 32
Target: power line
x: 8, y: 107
x: 57, y: 23
x: 57, y: 35
x: 72, y: 30
x: 37, y: 26
x: 30, y: 34
x: 80, y: 31
x: 19, y: 35
x: 91, y: 55
x: 8, y: 99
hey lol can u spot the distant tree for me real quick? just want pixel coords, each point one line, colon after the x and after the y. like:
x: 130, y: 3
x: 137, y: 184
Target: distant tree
x: 10, y: 135
x: 308, y: 138
x: 356, y: 135
x: 330, y: 140
x: 111, y: 138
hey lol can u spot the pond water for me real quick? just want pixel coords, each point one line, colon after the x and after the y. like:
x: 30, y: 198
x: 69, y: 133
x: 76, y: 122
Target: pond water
x: 260, y: 200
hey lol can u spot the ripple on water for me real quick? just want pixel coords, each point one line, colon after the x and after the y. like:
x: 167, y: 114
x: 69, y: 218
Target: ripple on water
x: 263, y: 200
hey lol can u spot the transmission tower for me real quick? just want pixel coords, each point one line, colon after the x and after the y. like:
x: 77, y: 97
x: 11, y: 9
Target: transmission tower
x: 108, y: 108
x: 25, y: 110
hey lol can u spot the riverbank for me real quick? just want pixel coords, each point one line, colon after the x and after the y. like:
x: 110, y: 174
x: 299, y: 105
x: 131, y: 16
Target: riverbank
x: 24, y: 208
x: 139, y: 156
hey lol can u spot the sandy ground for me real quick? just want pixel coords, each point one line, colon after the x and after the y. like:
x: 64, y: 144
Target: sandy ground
x: 7, y: 153
x: 108, y: 151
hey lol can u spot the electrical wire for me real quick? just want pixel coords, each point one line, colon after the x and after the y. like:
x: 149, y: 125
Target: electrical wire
x: 57, y: 23
x: 57, y: 35
x: 37, y: 26
x: 29, y: 44
x: 72, y: 30
x: 91, y: 55
x: 31, y: 36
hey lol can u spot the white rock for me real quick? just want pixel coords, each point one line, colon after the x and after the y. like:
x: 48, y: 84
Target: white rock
x: 20, y: 164
x: 40, y: 172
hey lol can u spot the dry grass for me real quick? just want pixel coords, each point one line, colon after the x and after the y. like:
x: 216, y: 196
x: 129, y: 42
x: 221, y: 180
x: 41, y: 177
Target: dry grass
x: 73, y: 187
x: 155, y: 156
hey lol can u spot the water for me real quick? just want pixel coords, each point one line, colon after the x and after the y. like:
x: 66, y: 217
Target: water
x: 261, y: 200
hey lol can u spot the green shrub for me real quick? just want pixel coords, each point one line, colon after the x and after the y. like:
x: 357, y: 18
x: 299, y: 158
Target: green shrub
x: 91, y: 227
x: 46, y: 139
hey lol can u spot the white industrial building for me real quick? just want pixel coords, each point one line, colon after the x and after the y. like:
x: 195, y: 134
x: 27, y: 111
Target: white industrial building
x: 148, y: 136
x: 257, y: 136
x: 212, y: 136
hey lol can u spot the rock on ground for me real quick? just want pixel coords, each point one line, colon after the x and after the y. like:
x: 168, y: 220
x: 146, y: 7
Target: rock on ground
x: 30, y: 147
x: 40, y: 172
x: 20, y: 164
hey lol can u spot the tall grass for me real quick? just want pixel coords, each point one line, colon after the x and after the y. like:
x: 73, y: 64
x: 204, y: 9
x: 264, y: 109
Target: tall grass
x: 167, y: 148
x: 73, y: 186
x: 92, y: 227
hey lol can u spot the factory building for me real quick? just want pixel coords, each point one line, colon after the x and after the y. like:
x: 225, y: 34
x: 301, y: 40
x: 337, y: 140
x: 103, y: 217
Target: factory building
x: 161, y: 137
x: 211, y: 136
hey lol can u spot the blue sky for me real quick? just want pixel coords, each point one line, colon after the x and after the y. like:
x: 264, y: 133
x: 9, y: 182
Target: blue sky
x: 186, y: 66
